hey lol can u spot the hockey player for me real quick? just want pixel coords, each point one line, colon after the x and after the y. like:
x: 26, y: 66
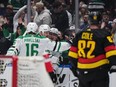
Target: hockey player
x: 57, y: 53
x: 44, y: 30
x: 54, y: 34
x: 31, y: 44
x: 91, y: 54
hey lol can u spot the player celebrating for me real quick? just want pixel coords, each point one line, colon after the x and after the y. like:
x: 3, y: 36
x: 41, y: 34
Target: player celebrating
x: 31, y: 44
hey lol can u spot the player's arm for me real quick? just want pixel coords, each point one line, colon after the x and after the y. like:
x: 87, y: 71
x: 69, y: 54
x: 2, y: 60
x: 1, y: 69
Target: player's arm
x: 110, y: 49
x: 15, y: 48
x: 64, y: 46
x: 73, y: 57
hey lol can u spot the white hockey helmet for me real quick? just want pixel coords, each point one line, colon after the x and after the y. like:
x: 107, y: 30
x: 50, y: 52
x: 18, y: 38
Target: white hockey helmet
x: 54, y: 30
x: 32, y: 27
x: 44, y: 28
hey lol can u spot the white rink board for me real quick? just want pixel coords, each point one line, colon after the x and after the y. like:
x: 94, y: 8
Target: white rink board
x: 113, y: 79
x: 66, y: 77
x: 6, y: 76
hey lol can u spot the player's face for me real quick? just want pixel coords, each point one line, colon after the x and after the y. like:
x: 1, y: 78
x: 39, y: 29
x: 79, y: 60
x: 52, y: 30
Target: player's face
x: 53, y: 37
x: 46, y: 34
x: 60, y: 35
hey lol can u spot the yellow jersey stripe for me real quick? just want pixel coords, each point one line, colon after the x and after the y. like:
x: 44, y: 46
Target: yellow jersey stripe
x: 92, y: 65
x: 110, y: 53
x: 72, y: 54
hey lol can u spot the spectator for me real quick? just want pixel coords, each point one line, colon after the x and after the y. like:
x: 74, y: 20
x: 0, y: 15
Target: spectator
x: 83, y: 10
x: 59, y: 17
x: 43, y: 15
x: 9, y: 11
x: 106, y: 24
x: 68, y: 13
x: 21, y: 15
x: 12, y: 36
x: 4, y: 43
x: 8, y: 34
x: 85, y: 23
x: 9, y: 14
x: 7, y: 25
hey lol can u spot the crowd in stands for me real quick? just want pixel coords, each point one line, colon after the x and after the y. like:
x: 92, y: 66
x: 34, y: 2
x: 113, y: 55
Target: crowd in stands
x: 58, y: 15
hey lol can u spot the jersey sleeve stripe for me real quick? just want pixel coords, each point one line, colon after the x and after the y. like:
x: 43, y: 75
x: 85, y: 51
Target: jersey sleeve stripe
x: 108, y: 48
x: 72, y: 54
x: 12, y: 51
x: 110, y: 53
x: 74, y: 49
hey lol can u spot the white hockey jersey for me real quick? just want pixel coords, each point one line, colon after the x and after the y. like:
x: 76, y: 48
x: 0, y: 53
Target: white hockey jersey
x: 29, y: 45
x: 57, y: 49
x: 34, y: 45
